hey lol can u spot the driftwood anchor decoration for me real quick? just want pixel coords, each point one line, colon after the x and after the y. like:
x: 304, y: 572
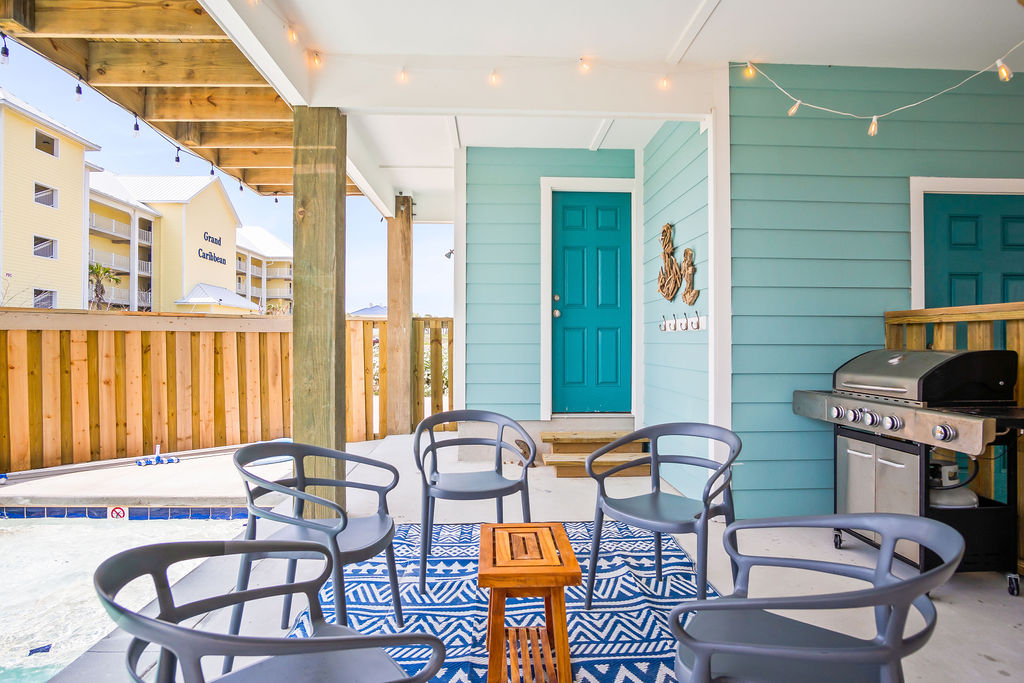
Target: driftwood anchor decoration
x: 671, y: 275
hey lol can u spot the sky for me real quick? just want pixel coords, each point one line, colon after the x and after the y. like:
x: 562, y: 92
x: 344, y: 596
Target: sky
x: 51, y: 90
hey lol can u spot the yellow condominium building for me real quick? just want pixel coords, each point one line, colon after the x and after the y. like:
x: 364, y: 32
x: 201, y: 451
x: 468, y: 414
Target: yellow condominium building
x: 263, y: 266
x: 43, y: 209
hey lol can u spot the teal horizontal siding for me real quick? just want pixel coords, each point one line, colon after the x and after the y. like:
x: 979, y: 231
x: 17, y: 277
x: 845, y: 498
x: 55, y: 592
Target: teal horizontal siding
x: 820, y: 242
x: 503, y: 267
x: 676, y: 363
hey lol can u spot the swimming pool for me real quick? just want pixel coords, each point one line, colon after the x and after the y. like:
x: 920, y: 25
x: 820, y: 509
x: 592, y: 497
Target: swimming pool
x: 48, y: 596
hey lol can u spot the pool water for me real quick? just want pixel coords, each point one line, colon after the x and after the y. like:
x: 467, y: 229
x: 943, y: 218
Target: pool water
x: 47, y: 589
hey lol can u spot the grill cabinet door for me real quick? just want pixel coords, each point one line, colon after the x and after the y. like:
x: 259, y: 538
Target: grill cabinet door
x: 855, y: 476
x: 898, y: 489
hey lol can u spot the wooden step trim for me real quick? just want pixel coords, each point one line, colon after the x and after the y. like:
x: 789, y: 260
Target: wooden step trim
x: 570, y: 465
x: 580, y: 436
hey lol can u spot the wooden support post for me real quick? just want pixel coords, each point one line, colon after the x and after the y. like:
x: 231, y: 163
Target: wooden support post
x: 399, y: 349
x: 318, y: 319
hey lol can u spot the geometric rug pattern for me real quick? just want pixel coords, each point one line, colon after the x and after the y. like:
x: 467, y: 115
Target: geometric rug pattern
x: 624, y: 638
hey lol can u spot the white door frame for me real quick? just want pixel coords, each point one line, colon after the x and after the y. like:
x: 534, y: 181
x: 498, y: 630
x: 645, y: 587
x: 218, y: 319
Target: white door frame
x: 549, y: 185
x: 922, y: 185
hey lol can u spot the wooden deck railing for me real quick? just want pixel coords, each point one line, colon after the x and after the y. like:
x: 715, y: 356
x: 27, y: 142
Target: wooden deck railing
x: 982, y: 327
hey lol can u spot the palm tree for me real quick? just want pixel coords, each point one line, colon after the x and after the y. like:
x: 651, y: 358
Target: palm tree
x: 97, y: 276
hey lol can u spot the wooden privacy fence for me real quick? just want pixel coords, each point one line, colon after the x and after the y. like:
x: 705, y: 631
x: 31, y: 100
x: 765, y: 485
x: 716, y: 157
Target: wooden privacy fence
x: 991, y: 326
x: 366, y: 374
x: 83, y: 386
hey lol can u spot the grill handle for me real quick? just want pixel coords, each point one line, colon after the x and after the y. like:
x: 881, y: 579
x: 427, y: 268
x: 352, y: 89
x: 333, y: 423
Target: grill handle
x: 850, y: 451
x: 874, y: 387
x: 890, y: 463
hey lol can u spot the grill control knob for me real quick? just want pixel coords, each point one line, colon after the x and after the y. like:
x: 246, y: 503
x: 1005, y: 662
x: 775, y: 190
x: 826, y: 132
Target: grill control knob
x: 837, y: 412
x: 853, y: 415
x: 871, y: 419
x: 892, y: 423
x: 944, y: 432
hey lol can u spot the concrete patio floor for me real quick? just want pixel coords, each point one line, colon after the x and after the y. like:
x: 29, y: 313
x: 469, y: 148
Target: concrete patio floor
x: 976, y: 639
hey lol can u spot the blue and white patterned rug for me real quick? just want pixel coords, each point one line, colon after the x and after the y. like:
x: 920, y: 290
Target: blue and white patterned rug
x: 624, y: 638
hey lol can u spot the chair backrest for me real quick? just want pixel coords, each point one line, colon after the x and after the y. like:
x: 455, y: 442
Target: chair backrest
x: 891, y: 596
x: 183, y: 645
x: 661, y: 454
x: 257, y: 486
x: 426, y: 453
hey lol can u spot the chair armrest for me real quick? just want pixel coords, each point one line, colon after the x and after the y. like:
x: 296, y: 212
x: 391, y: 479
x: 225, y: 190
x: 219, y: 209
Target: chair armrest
x: 301, y: 495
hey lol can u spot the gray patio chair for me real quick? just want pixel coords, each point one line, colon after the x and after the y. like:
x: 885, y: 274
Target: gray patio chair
x: 490, y: 483
x: 348, y: 539
x: 333, y: 653
x: 737, y: 638
x: 661, y: 512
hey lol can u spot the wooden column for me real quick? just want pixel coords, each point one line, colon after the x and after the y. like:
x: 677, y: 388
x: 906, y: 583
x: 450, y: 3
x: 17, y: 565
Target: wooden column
x: 399, y: 358
x: 318, y: 319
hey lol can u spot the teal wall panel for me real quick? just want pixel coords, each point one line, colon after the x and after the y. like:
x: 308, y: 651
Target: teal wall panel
x: 503, y: 267
x: 820, y: 241
x: 676, y: 363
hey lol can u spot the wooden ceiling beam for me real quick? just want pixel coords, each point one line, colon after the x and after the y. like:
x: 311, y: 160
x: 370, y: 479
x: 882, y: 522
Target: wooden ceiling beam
x: 280, y: 190
x: 16, y: 16
x: 267, y: 176
x: 241, y: 135
x: 255, y: 158
x: 71, y: 54
x: 218, y: 64
x: 215, y: 104
x: 123, y: 19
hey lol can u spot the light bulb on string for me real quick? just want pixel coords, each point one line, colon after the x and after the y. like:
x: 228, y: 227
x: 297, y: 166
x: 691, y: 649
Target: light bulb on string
x: 177, y: 157
x: 494, y: 79
x: 792, y: 110
x: 403, y: 76
x: 275, y: 198
x: 1005, y: 72
x: 873, y: 128
x: 240, y: 188
x: 664, y: 83
x: 293, y: 35
x: 317, y: 59
x: 78, y: 92
x: 583, y: 65
x: 5, y: 54
x: 749, y: 70
x: 135, y: 128
x: 211, y: 168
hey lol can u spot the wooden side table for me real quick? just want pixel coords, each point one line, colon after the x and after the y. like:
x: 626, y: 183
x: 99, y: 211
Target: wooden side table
x: 522, y: 561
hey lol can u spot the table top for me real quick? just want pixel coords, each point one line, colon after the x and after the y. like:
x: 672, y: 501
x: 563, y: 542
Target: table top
x: 526, y: 556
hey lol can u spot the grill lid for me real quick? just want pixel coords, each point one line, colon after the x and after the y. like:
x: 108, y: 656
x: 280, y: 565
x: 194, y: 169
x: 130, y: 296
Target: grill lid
x: 931, y: 377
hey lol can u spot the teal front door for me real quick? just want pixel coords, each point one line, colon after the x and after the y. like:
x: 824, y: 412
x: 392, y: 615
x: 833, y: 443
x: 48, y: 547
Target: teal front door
x: 590, y: 287
x: 974, y: 249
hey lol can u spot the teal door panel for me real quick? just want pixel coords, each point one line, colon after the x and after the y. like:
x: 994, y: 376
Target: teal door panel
x: 590, y: 263
x: 974, y: 254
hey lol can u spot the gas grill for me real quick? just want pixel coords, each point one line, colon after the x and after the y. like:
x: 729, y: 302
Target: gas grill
x: 892, y: 411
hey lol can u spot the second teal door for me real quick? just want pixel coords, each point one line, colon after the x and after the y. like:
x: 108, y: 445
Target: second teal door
x: 591, y: 348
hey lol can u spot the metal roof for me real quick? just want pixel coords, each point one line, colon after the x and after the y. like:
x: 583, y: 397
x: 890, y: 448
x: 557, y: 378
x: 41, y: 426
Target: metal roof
x: 26, y: 109
x: 109, y: 184
x: 205, y: 294
x: 259, y: 241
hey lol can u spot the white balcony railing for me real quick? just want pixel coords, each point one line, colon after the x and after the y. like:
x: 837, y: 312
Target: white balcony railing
x: 145, y: 267
x: 110, y: 226
x: 119, y: 296
x: 257, y: 271
x: 256, y: 291
x: 240, y: 265
x: 145, y: 236
x: 240, y: 288
x: 146, y: 299
x: 279, y: 293
x: 284, y: 273
x: 108, y: 259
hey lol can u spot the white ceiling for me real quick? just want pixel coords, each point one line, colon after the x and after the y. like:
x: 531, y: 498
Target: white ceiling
x: 403, y: 135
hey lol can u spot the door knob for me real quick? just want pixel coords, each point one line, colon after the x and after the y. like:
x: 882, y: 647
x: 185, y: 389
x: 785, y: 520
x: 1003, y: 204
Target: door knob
x: 556, y: 313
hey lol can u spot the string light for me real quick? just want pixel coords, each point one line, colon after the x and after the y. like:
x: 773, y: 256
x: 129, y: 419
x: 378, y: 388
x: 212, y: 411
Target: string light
x: 5, y: 54
x: 177, y: 157
x: 275, y: 198
x: 240, y: 188
x: 78, y: 91
x: 293, y: 35
x: 749, y: 71
x: 792, y: 110
x: 403, y: 76
x: 494, y: 79
x: 135, y: 128
x: 211, y: 168
x: 317, y: 59
x: 1005, y: 72
x: 873, y: 127
x: 664, y: 83
x: 583, y: 64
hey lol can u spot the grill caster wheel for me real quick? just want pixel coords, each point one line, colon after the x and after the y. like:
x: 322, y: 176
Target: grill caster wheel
x: 1013, y: 584
x: 837, y: 539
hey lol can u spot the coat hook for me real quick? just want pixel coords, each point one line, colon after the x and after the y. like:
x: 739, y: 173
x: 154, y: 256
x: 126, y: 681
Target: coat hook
x: 663, y: 325
x: 675, y: 323
x: 696, y: 319
x: 686, y: 325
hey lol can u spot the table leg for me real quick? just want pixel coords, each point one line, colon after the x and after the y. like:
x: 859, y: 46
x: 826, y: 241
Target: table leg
x: 561, y: 635
x: 549, y: 624
x: 496, y: 667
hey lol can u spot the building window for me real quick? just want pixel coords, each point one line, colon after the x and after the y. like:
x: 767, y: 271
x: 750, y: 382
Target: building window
x: 44, y: 247
x: 47, y: 196
x: 46, y: 143
x: 44, y: 298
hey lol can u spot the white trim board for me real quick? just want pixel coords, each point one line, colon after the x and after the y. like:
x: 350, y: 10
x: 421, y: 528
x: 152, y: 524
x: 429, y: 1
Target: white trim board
x: 459, y: 312
x: 549, y: 185
x: 922, y: 185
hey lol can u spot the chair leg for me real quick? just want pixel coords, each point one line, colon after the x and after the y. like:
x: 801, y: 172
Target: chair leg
x: 430, y: 525
x: 657, y: 556
x: 501, y: 509
x: 286, y: 611
x: 730, y: 517
x: 526, y: 505
x: 244, y: 569
x: 338, y: 577
x: 424, y: 540
x: 702, y: 561
x: 594, y: 546
x: 396, y: 596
